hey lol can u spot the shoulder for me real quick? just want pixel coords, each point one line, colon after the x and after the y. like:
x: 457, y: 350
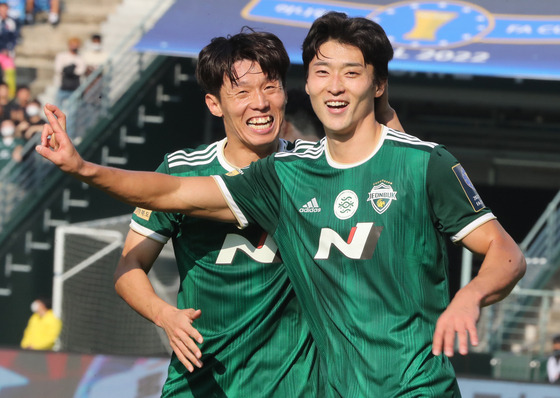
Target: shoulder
x: 303, y: 150
x: 398, y: 138
x: 189, y: 158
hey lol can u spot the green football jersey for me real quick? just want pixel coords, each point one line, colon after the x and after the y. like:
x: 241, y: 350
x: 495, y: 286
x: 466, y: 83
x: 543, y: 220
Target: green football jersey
x: 364, y: 245
x: 256, y: 341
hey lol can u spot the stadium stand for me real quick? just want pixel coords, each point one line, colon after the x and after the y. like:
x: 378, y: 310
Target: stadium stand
x: 143, y: 105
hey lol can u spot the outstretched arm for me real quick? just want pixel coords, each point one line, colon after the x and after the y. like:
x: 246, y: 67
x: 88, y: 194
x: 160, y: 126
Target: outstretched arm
x: 132, y: 284
x: 196, y: 196
x: 503, y: 266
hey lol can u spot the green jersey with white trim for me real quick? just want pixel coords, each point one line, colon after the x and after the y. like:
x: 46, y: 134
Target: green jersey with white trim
x: 256, y: 341
x: 364, y: 246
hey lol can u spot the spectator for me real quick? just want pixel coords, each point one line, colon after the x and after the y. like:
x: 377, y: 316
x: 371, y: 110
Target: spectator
x: 43, y: 327
x: 94, y: 56
x: 16, y: 108
x: 33, y: 122
x: 16, y: 11
x: 8, y: 29
x: 69, y: 66
x: 52, y: 7
x: 553, y: 364
x: 10, y: 146
x: 4, y: 100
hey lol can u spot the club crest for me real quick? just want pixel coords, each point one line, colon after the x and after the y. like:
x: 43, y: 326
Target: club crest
x: 381, y: 196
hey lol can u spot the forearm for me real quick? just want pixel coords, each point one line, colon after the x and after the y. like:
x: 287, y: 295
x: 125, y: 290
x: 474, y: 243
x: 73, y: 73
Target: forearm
x: 134, y: 287
x: 503, y: 266
x: 154, y: 191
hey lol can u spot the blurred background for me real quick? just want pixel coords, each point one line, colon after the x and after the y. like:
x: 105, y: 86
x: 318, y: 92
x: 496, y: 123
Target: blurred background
x: 481, y: 77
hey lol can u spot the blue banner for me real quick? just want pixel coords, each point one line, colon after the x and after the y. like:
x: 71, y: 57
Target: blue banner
x: 514, y: 38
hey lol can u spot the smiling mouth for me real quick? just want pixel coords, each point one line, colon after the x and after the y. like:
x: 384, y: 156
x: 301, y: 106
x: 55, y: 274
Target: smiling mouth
x: 336, y: 104
x: 260, y: 123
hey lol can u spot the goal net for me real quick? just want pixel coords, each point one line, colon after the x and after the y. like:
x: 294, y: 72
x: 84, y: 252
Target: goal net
x: 94, y: 318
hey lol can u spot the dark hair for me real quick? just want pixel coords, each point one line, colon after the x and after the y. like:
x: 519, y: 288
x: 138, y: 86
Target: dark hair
x: 556, y: 339
x: 216, y: 60
x: 363, y: 33
x: 46, y: 301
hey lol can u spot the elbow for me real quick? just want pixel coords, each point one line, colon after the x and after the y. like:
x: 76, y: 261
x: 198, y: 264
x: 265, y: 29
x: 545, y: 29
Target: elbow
x: 521, y: 266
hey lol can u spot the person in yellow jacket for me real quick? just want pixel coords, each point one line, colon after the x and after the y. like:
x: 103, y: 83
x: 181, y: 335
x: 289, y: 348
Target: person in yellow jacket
x: 43, y: 327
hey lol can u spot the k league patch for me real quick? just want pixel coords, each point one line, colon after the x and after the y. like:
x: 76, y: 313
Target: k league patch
x: 381, y: 196
x: 468, y: 187
x: 143, y: 213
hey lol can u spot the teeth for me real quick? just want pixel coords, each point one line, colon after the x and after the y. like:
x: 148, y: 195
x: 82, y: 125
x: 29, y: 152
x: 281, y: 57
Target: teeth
x: 260, y: 120
x: 337, y: 104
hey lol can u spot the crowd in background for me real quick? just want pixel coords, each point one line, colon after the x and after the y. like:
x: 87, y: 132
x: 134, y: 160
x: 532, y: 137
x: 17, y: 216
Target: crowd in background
x: 20, y: 113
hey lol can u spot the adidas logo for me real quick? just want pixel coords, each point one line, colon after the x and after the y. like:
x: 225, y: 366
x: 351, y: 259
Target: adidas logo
x: 310, y: 207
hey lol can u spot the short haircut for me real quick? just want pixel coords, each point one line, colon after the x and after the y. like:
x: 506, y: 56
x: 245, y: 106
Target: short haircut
x: 216, y: 60
x: 363, y: 33
x: 556, y: 339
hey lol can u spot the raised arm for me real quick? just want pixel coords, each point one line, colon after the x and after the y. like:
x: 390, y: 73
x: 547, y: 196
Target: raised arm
x: 503, y: 266
x: 384, y: 113
x: 196, y: 196
x: 132, y: 284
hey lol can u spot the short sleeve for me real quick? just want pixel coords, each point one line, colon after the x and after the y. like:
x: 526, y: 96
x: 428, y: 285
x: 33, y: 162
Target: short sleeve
x: 254, y: 194
x: 457, y: 206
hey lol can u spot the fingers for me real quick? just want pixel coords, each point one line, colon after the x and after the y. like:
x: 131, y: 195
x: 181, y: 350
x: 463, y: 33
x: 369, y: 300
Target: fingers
x: 444, y: 338
x: 59, y: 115
x: 54, y: 121
x: 183, y: 338
x: 188, y: 353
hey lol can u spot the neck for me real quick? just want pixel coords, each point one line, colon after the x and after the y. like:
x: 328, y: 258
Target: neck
x: 240, y: 156
x: 356, y: 146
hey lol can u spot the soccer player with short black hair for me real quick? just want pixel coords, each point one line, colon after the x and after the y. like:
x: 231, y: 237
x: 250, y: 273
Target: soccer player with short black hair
x: 360, y: 220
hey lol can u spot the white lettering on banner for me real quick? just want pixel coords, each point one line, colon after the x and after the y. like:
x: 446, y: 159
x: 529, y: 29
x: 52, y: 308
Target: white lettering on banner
x: 519, y: 29
x: 360, y: 246
x: 267, y: 253
x: 549, y: 30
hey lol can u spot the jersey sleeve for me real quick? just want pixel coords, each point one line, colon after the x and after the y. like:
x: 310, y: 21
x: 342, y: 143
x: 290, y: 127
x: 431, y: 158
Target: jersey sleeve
x: 457, y: 206
x: 156, y: 225
x: 253, y: 195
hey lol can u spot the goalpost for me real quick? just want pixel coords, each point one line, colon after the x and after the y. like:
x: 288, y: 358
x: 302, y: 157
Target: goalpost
x: 94, y: 318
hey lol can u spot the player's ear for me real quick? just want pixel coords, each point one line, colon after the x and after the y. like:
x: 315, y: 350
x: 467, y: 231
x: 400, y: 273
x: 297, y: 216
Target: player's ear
x: 306, y: 88
x: 380, y: 88
x: 213, y: 104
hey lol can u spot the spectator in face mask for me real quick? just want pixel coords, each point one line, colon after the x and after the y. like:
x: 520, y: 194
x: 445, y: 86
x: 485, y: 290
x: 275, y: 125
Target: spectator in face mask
x: 10, y: 146
x: 33, y: 122
x: 553, y: 364
x: 94, y: 56
x: 43, y: 327
x: 69, y: 66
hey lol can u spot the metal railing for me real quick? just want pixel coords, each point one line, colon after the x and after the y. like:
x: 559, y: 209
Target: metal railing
x: 91, y: 102
x: 537, y: 315
x: 542, y: 247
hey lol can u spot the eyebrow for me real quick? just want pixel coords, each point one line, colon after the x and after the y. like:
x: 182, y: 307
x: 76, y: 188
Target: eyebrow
x: 348, y: 64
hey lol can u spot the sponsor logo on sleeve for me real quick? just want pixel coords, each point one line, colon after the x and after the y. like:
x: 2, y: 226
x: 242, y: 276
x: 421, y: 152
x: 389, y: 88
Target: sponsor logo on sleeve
x: 468, y: 187
x: 143, y: 213
x: 233, y: 173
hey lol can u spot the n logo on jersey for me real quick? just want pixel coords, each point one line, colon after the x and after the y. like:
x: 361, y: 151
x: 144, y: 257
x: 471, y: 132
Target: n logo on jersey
x: 266, y: 251
x: 381, y: 196
x: 360, y: 245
